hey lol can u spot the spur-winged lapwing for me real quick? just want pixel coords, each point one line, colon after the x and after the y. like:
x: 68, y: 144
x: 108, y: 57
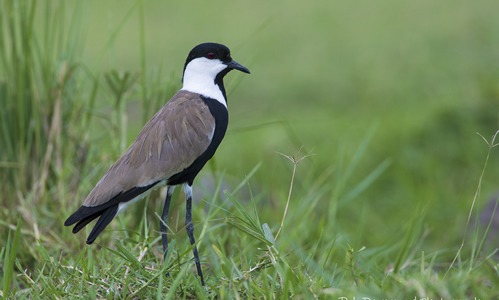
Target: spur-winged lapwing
x: 171, y: 149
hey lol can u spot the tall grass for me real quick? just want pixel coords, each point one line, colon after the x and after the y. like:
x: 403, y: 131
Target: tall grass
x: 44, y: 107
x: 47, y: 101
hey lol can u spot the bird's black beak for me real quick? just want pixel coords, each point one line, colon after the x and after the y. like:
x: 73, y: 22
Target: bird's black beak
x: 237, y: 66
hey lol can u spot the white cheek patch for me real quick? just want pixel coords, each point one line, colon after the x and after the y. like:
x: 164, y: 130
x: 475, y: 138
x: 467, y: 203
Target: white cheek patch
x: 199, y: 77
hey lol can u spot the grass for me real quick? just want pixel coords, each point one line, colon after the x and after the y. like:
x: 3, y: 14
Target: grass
x: 358, y: 173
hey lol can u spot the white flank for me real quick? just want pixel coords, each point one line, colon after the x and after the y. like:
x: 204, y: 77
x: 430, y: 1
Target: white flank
x: 199, y: 77
x: 124, y: 205
x: 188, y: 190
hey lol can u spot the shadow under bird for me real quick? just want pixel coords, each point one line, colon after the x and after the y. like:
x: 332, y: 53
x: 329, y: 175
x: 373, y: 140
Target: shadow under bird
x: 170, y: 150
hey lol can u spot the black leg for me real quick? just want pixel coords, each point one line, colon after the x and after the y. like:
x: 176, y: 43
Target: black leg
x: 190, y: 228
x: 164, y: 220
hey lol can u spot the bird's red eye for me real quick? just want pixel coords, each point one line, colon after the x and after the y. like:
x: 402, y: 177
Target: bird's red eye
x: 210, y: 55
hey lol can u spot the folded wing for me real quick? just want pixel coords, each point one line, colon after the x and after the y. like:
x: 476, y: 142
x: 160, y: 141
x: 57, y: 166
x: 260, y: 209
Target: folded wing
x: 168, y: 144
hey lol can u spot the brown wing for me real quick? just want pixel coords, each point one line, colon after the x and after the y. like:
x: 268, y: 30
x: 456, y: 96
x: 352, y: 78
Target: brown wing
x: 170, y: 142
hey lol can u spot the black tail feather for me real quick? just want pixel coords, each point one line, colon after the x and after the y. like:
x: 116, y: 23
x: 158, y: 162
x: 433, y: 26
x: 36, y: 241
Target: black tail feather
x: 104, y: 220
x: 86, y: 213
x: 106, y: 211
x: 83, y: 222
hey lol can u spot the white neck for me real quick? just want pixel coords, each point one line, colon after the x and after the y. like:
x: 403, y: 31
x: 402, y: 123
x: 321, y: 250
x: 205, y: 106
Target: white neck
x: 199, y: 77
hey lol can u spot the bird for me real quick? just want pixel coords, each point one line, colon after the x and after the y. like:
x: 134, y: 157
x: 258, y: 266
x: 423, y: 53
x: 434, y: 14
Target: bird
x: 170, y: 150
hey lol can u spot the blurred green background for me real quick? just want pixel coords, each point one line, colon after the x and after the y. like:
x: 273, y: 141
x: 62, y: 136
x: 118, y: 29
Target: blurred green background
x: 386, y: 97
x: 423, y: 76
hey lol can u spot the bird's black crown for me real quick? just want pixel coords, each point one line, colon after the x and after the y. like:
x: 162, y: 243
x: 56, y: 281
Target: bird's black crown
x: 210, y: 51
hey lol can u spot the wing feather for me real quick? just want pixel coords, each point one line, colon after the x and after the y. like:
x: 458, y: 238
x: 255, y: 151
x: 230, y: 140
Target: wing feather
x: 169, y: 143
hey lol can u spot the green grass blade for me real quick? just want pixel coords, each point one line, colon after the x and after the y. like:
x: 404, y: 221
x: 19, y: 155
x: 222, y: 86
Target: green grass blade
x: 9, y: 258
x: 366, y: 182
x: 411, y: 234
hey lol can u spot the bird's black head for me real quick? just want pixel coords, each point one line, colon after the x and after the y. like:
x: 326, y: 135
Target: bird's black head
x: 205, y: 68
x: 215, y: 52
